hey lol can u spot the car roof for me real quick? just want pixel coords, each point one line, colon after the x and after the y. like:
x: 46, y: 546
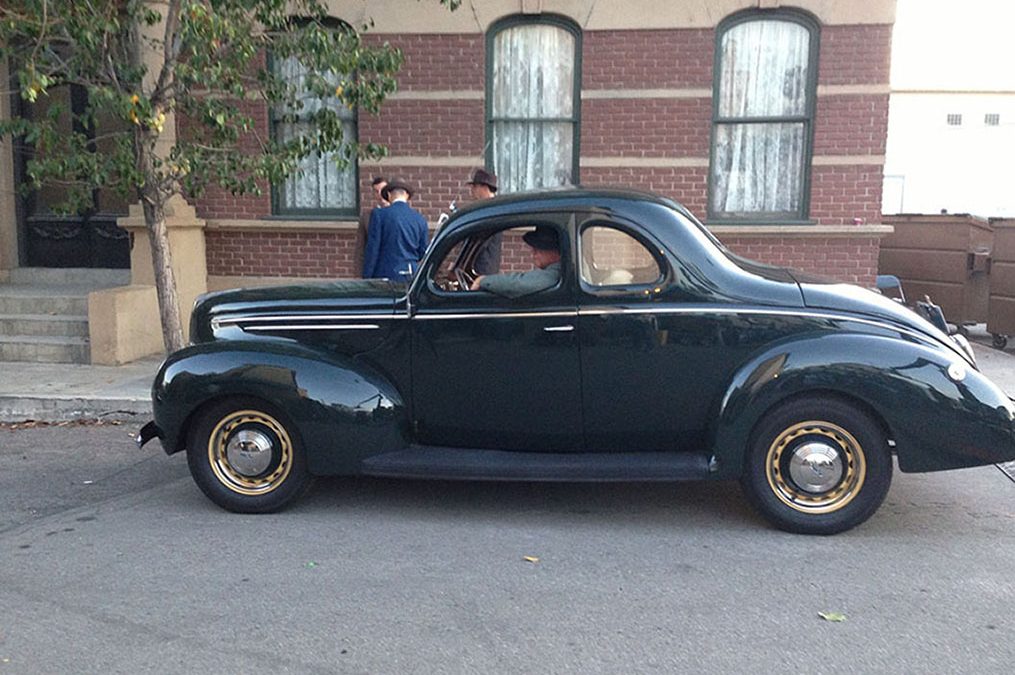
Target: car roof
x: 548, y: 197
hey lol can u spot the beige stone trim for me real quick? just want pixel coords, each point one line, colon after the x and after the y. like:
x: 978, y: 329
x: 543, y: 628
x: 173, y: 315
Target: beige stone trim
x: 643, y: 162
x: 407, y: 160
x: 591, y: 94
x: 120, y: 324
x: 853, y: 89
x: 438, y: 95
x: 475, y: 16
x: 848, y: 160
x: 953, y: 92
x: 8, y: 196
x: 281, y: 225
x: 224, y: 283
x: 802, y: 231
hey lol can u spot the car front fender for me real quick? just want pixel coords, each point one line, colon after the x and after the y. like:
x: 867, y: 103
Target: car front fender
x: 940, y: 412
x: 342, y: 409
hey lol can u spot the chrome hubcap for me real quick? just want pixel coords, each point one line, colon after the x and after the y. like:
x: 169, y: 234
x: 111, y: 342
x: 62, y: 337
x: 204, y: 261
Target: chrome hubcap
x: 249, y: 452
x: 815, y: 467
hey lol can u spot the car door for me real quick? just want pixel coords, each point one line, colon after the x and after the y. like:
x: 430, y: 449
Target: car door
x: 493, y: 372
x: 645, y: 364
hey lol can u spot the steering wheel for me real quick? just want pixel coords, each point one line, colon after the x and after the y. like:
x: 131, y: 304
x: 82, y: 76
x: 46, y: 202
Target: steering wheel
x: 462, y: 277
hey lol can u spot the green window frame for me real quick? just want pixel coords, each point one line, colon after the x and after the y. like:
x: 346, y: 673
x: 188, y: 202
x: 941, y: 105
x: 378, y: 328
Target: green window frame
x: 318, y: 172
x: 541, y: 122
x: 762, y: 139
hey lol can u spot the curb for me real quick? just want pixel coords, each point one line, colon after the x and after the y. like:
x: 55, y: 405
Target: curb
x: 58, y: 409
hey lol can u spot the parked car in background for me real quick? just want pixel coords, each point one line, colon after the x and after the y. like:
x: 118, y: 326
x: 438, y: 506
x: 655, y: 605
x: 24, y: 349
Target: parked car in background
x: 658, y: 356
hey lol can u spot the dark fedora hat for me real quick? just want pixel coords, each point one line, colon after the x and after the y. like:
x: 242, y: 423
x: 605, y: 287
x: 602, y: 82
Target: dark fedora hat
x: 396, y: 184
x: 483, y: 177
x: 543, y: 238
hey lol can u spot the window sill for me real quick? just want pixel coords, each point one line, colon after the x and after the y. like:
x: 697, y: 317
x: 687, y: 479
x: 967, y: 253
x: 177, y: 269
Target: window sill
x: 280, y: 224
x: 796, y: 229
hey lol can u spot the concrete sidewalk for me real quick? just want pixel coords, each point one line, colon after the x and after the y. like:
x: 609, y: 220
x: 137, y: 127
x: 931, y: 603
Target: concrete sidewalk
x: 60, y: 391
x: 56, y: 391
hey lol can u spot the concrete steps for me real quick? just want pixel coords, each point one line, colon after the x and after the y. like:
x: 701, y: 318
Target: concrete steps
x: 44, y: 313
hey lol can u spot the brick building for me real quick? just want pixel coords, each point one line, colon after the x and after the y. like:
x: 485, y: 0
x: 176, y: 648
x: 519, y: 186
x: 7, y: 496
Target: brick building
x: 767, y: 119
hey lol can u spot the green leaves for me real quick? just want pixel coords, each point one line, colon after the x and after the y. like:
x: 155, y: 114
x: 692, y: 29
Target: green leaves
x: 834, y: 617
x: 229, y: 61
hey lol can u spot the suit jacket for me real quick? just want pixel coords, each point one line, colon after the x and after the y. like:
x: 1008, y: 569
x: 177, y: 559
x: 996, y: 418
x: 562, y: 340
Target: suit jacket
x: 396, y: 239
x: 517, y: 284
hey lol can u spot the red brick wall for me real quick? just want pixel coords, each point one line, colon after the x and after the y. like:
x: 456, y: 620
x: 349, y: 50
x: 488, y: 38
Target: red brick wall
x: 281, y: 254
x: 654, y: 127
x: 613, y: 129
x: 648, y: 59
x: 853, y: 260
x: 855, y: 54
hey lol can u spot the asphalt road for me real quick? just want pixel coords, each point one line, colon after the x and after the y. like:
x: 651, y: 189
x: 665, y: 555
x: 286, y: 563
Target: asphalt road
x: 111, y: 561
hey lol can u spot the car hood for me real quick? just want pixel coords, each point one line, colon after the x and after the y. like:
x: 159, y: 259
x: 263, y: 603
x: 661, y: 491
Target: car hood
x: 346, y: 296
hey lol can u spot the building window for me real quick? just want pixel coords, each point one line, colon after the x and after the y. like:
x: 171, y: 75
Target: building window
x: 992, y: 119
x: 763, y: 115
x: 954, y: 120
x: 532, y: 102
x: 319, y: 187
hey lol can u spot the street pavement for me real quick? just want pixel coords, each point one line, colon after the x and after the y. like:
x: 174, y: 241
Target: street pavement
x: 112, y: 561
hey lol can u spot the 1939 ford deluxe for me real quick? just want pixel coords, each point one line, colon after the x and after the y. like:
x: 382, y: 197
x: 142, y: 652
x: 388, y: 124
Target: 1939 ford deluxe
x: 657, y: 356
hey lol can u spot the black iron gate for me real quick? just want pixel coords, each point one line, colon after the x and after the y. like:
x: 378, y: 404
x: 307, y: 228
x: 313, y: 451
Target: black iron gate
x: 90, y: 238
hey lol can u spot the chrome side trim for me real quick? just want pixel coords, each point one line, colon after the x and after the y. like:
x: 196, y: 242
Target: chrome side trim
x: 291, y: 318
x: 311, y: 326
x: 499, y: 315
x: 559, y: 329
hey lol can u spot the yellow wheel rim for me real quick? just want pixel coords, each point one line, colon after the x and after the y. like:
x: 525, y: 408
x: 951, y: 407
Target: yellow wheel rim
x: 244, y: 441
x: 815, y: 467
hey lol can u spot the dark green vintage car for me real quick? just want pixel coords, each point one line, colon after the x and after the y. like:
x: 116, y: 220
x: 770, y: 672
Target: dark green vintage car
x: 658, y: 355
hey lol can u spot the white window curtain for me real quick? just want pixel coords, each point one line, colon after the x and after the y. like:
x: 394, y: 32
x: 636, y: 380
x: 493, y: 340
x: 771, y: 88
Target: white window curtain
x: 319, y: 185
x: 532, y: 106
x: 762, y: 122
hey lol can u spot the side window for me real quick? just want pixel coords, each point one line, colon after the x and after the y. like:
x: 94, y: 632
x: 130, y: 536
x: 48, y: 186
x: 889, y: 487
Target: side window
x: 319, y: 187
x: 462, y: 264
x: 611, y: 257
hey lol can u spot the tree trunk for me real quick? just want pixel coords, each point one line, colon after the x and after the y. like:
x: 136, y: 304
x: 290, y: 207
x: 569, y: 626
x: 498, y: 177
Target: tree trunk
x: 153, y: 201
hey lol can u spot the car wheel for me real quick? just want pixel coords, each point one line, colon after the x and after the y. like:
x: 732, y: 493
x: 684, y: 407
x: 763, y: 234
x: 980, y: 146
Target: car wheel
x: 999, y: 341
x: 817, y: 466
x: 247, y: 457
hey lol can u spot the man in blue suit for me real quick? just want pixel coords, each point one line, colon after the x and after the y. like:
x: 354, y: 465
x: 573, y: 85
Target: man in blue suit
x: 397, y: 236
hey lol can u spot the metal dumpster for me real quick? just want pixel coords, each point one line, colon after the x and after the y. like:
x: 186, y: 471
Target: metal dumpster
x: 946, y: 257
x: 1001, y: 318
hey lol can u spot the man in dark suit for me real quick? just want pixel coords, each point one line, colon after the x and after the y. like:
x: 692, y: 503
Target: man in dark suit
x: 397, y: 237
x: 483, y: 185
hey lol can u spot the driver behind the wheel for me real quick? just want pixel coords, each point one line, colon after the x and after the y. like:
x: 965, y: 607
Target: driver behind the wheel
x: 545, y: 256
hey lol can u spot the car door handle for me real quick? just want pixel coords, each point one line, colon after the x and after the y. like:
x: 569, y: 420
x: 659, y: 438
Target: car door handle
x: 559, y: 329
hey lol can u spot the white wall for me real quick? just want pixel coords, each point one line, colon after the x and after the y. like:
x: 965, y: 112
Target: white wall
x: 930, y: 166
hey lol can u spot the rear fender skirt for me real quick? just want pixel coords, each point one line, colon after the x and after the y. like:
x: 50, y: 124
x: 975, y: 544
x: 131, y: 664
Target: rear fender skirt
x: 343, y: 410
x: 940, y: 412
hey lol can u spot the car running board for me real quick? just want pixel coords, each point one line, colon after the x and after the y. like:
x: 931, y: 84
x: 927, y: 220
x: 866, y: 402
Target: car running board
x: 466, y: 464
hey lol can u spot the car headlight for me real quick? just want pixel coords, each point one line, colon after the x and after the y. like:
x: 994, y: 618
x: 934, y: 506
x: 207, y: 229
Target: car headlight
x: 964, y: 345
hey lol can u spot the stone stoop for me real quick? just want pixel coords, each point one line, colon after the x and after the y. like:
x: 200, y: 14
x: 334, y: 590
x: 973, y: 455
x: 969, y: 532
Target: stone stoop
x: 44, y: 313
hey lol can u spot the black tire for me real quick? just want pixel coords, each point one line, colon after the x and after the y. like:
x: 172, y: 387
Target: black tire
x: 246, y: 456
x: 999, y: 341
x: 829, y: 442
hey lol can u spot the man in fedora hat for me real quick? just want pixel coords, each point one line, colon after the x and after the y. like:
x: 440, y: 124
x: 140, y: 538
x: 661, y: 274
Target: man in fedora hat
x: 483, y: 185
x: 546, y: 256
x: 376, y: 186
x: 397, y: 237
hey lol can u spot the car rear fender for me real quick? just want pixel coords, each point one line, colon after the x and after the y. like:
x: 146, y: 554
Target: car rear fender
x: 343, y: 410
x: 940, y: 413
